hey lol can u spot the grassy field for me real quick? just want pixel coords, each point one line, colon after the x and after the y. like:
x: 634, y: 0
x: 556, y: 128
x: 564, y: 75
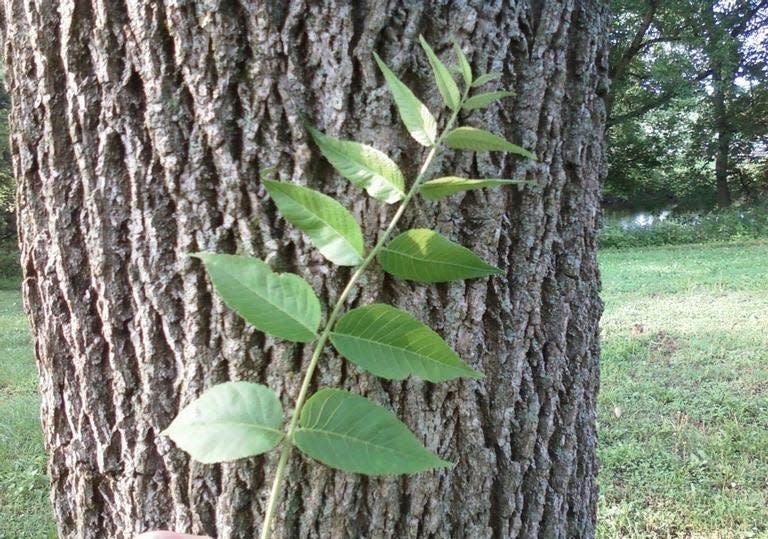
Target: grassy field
x: 683, y: 405
x: 684, y: 393
x: 24, y: 508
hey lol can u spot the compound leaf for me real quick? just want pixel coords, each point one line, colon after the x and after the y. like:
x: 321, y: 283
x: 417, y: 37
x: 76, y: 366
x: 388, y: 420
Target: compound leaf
x: 425, y: 256
x: 483, y: 100
x: 392, y: 344
x: 364, y: 166
x: 443, y: 187
x: 328, y: 224
x: 353, y: 434
x: 471, y: 138
x: 229, y: 421
x: 445, y: 83
x: 417, y: 119
x: 283, y: 305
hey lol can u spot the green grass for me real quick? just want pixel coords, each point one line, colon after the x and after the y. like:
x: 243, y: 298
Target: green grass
x: 24, y: 508
x: 683, y: 408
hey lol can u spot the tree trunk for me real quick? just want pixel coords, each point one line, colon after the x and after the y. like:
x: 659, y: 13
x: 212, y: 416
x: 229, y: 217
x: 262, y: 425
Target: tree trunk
x: 139, y: 129
x: 723, y: 148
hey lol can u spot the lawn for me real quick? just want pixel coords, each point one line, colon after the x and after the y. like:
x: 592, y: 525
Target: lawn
x: 24, y: 508
x: 683, y: 405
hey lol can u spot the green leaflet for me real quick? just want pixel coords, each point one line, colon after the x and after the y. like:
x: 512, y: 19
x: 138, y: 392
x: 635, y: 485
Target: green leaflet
x: 443, y: 187
x: 463, y: 63
x: 485, y: 79
x: 471, y: 138
x: 283, y: 305
x: 328, y: 224
x: 392, y: 344
x: 353, y: 434
x: 417, y: 119
x: 364, y: 166
x: 425, y: 256
x: 229, y: 421
x: 483, y: 100
x: 445, y: 83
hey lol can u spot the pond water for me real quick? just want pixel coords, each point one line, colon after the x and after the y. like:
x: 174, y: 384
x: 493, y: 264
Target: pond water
x: 627, y: 220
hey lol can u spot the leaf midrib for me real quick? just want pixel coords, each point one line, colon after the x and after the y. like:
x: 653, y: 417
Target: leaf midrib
x: 369, y: 170
x: 236, y: 424
x: 326, y: 223
x: 451, y: 187
x: 276, y: 306
x: 393, y: 347
x: 352, y: 439
x: 469, y: 181
x: 486, y: 265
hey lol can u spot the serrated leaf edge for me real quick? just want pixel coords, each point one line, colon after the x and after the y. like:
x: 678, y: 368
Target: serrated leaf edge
x: 398, y: 190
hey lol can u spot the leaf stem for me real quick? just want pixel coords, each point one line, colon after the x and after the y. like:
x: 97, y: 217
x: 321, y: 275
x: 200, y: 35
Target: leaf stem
x: 285, y: 452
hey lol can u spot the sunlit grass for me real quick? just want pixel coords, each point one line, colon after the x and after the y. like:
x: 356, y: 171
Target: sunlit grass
x: 683, y: 408
x: 24, y: 508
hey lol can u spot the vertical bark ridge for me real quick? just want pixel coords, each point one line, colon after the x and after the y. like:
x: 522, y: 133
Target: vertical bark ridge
x: 139, y: 132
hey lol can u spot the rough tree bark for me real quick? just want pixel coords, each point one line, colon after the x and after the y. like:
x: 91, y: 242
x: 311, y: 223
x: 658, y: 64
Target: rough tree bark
x: 139, y: 129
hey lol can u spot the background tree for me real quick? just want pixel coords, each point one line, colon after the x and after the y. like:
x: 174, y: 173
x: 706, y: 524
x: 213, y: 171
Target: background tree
x: 698, y: 62
x: 7, y: 185
x: 725, y: 29
x: 139, y: 129
x: 649, y: 63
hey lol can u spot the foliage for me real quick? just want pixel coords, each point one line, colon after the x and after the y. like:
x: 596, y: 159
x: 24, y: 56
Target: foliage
x: 656, y: 162
x: 9, y: 260
x: 687, y: 105
x: 683, y: 364
x: 228, y: 422
x: 649, y: 61
x: 337, y: 428
x: 7, y: 183
x: 731, y: 224
x: 683, y: 393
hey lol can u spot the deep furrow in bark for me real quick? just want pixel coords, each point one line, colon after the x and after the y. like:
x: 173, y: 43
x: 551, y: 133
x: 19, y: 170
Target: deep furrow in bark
x: 154, y: 118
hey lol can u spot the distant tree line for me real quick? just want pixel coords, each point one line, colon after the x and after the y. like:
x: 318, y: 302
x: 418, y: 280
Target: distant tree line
x: 688, y: 106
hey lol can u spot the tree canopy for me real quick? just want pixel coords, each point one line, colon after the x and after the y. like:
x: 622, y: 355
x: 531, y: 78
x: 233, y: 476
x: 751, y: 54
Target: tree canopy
x: 687, y: 107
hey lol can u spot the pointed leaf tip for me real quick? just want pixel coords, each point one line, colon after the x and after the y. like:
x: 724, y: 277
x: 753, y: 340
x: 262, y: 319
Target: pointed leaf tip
x: 483, y: 100
x: 445, y: 83
x: 417, y: 119
x: 280, y: 304
x: 479, y: 140
x: 425, y: 256
x: 353, y: 434
x: 362, y: 165
x: 392, y: 344
x: 443, y: 187
x: 463, y: 64
x: 330, y: 226
x: 485, y: 79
